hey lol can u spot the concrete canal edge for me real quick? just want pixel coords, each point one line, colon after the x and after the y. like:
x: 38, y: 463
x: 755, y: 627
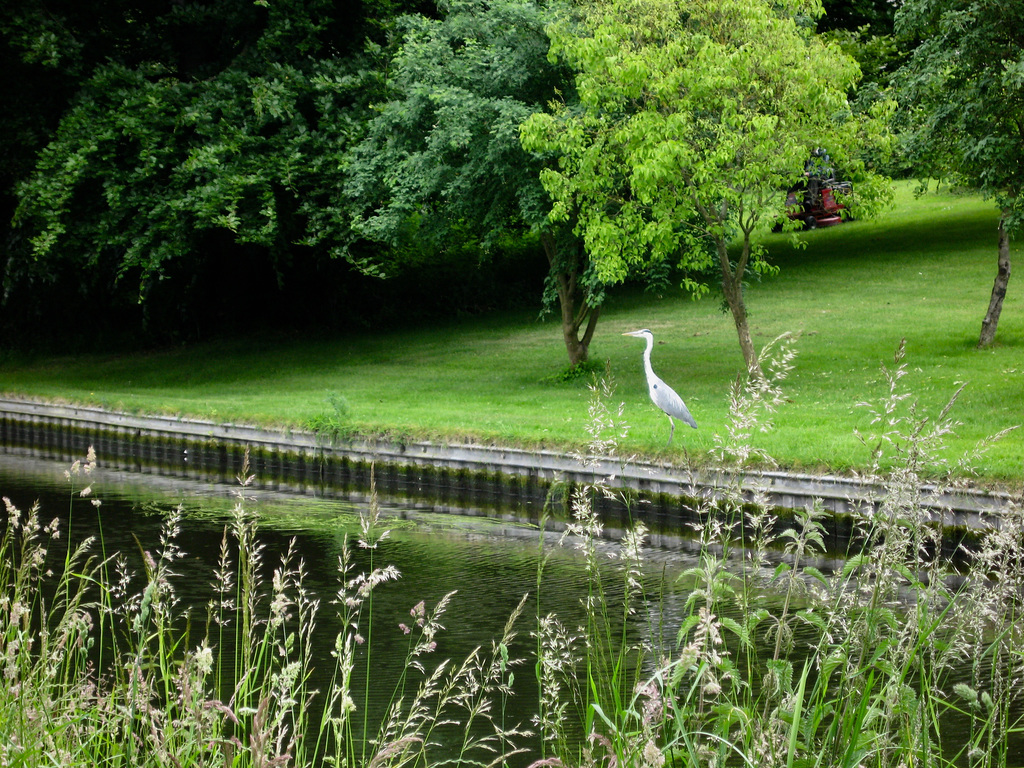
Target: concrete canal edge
x: 289, y: 458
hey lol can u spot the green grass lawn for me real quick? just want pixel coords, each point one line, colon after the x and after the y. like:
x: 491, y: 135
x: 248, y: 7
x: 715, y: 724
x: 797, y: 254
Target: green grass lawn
x: 922, y: 272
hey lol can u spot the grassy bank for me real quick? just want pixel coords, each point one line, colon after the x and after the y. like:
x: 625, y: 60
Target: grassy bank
x: 922, y: 272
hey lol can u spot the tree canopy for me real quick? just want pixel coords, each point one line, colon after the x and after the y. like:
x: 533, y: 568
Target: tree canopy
x: 210, y: 141
x: 151, y: 156
x: 693, y: 118
x: 442, y: 155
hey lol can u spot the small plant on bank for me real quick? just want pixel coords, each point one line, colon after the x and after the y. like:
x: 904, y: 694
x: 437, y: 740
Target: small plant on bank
x: 335, y: 424
x: 584, y: 371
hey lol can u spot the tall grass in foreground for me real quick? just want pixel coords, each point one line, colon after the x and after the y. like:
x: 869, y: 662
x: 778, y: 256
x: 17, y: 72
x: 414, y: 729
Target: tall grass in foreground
x: 779, y: 661
x: 775, y: 659
x: 105, y: 667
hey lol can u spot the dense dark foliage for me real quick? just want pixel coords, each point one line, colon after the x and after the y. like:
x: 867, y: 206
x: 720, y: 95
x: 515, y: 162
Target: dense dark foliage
x: 877, y: 15
x: 175, y: 170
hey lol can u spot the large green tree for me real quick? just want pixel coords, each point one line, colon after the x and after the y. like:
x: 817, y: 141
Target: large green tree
x: 692, y: 117
x: 205, y: 146
x: 442, y: 158
x: 962, y: 110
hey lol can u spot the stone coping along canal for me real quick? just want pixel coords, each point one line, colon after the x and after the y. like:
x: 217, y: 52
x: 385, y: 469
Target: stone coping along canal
x: 470, y: 473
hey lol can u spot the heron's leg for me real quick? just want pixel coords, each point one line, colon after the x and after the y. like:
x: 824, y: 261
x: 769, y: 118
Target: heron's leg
x: 672, y: 431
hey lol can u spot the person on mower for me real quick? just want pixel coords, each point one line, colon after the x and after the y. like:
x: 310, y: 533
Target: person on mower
x: 817, y: 169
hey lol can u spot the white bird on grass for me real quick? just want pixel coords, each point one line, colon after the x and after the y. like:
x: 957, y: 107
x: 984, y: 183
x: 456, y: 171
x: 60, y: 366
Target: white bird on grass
x: 662, y: 395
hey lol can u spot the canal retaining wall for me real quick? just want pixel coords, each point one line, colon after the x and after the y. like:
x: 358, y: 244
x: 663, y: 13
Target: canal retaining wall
x: 474, y: 473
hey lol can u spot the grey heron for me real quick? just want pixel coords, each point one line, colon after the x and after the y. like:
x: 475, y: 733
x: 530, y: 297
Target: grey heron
x: 662, y: 395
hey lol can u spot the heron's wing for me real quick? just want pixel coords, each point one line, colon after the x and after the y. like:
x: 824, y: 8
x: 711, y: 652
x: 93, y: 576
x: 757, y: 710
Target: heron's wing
x: 666, y: 398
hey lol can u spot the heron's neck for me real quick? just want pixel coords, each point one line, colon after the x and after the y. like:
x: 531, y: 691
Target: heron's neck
x: 647, y: 357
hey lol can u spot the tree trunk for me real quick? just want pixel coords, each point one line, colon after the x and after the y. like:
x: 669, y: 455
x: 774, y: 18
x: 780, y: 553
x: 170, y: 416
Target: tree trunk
x: 576, y: 345
x: 995, y: 305
x: 575, y: 313
x: 732, y: 287
x: 734, y: 298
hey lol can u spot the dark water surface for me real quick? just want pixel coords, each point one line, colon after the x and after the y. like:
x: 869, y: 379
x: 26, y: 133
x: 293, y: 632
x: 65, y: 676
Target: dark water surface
x: 491, y: 559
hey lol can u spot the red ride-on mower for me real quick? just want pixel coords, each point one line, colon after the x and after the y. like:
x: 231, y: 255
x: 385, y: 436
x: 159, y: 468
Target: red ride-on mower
x: 817, y: 205
x: 814, y: 202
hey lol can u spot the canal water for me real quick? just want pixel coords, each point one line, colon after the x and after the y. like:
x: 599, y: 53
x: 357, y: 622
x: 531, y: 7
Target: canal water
x: 490, y: 558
